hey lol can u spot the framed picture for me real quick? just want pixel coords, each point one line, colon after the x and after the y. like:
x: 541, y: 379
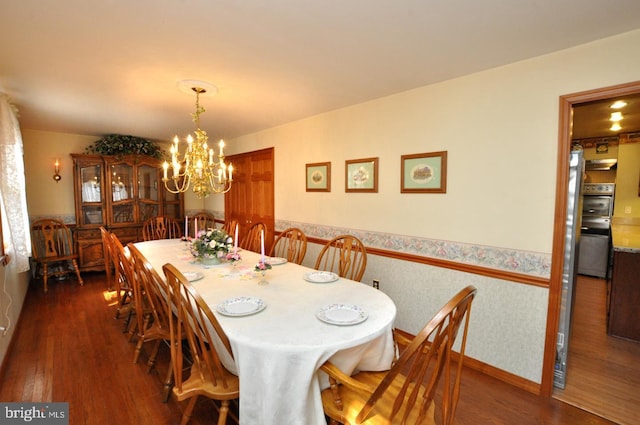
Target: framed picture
x: 424, y: 173
x: 319, y: 177
x: 361, y: 175
x: 602, y: 147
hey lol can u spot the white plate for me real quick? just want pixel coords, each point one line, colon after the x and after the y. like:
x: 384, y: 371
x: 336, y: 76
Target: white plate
x: 241, y: 306
x: 193, y: 276
x: 321, y: 277
x: 342, y: 314
x: 276, y: 261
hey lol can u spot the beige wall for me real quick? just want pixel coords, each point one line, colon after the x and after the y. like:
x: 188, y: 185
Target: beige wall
x: 627, y: 201
x: 500, y: 128
x: 45, y: 197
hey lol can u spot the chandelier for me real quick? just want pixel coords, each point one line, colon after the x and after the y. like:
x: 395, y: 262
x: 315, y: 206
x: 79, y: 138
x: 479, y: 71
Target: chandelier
x: 197, y: 167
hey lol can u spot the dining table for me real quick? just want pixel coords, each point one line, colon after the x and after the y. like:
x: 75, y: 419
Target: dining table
x: 283, y: 326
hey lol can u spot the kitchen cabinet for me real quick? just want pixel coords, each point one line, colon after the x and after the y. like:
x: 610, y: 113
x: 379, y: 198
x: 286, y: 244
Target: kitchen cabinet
x: 119, y: 193
x: 624, y: 320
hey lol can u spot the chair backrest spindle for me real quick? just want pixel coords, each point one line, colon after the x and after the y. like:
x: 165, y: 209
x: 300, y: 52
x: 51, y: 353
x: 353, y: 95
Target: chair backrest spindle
x: 291, y: 244
x: 344, y: 255
x: 161, y: 227
x: 251, y: 241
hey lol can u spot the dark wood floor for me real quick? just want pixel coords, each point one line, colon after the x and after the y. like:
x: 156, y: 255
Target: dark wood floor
x: 603, y: 372
x: 70, y: 348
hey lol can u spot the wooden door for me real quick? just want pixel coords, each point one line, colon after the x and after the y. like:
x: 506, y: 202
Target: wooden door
x: 250, y: 199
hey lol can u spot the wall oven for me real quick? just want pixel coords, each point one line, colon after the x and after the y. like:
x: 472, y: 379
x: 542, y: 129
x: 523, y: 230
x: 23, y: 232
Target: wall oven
x: 595, y: 238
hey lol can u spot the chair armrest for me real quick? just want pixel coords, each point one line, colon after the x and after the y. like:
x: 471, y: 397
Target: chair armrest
x: 344, y: 379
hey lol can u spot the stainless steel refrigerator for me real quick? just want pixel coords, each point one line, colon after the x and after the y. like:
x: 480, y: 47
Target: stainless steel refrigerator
x: 570, y: 263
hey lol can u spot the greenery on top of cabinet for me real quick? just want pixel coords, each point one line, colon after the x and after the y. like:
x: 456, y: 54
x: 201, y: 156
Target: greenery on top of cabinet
x: 118, y: 144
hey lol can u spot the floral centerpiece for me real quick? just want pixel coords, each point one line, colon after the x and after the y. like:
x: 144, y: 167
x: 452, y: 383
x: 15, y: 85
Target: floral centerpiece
x: 211, y: 245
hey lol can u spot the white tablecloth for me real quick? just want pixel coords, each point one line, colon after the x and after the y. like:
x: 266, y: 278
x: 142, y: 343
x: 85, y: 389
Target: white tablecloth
x: 278, y: 351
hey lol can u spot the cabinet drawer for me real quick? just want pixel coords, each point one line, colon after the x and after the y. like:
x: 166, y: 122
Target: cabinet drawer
x: 92, y: 233
x: 126, y: 234
x: 90, y: 254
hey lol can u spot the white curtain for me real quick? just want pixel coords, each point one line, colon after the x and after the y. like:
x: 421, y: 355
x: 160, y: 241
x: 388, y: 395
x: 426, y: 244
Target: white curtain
x: 12, y: 187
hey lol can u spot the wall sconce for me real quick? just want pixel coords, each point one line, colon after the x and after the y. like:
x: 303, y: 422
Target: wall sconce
x: 56, y: 171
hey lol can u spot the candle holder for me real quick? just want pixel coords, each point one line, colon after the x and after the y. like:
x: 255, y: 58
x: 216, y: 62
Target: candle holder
x: 56, y: 171
x: 262, y: 268
x: 233, y: 258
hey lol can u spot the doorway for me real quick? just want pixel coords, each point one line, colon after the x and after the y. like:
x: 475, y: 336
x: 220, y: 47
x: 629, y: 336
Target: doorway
x: 603, y: 372
x: 565, y: 135
x: 252, y: 198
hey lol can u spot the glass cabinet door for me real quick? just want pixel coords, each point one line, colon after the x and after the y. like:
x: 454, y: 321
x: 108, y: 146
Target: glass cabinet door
x: 148, y: 183
x: 147, y: 191
x: 91, y: 197
x: 122, y: 193
x: 172, y: 204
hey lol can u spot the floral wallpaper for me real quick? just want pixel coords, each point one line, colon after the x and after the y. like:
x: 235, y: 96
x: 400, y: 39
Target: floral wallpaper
x: 506, y: 259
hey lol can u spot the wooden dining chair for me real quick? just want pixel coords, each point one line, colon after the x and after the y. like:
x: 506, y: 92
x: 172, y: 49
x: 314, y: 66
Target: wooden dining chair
x: 123, y: 282
x: 208, y: 376
x: 344, y: 255
x: 405, y: 394
x: 153, y: 313
x: 251, y: 241
x: 205, y: 221
x: 161, y: 227
x: 291, y: 244
x: 230, y: 227
x: 108, y: 257
x: 53, y: 250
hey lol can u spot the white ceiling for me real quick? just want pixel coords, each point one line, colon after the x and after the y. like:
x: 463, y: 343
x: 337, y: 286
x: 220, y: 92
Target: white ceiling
x: 112, y: 66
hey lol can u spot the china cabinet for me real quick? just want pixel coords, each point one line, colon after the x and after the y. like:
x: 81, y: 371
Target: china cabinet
x: 119, y: 193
